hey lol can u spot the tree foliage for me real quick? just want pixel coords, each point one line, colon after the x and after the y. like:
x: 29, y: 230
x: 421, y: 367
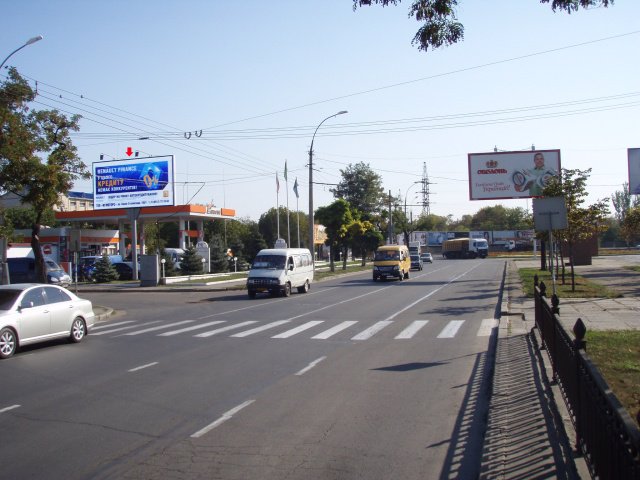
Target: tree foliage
x: 105, y: 271
x: 630, y: 226
x: 362, y: 188
x: 190, y: 262
x: 268, y: 226
x: 335, y: 217
x: 38, y: 161
x: 440, y: 26
x: 622, y: 202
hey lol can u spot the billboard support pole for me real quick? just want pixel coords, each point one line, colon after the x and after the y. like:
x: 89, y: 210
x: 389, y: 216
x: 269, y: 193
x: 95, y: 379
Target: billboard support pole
x: 133, y: 214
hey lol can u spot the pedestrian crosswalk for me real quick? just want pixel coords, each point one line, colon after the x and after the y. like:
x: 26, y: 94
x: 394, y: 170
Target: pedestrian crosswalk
x: 355, y: 330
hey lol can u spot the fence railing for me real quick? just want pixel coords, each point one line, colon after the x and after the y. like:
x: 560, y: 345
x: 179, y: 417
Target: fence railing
x: 605, y: 433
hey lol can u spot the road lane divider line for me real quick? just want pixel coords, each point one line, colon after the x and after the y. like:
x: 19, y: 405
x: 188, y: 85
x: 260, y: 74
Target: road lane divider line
x: 225, y: 329
x: 298, y: 329
x: 141, y: 367
x: 411, y: 305
x: 12, y: 407
x: 487, y: 326
x: 103, y: 325
x: 115, y: 330
x: 310, y: 366
x: 268, y: 326
x: 451, y: 329
x: 333, y: 330
x: 225, y: 416
x: 190, y: 329
x: 372, y: 330
x: 159, y: 327
x: 412, y: 329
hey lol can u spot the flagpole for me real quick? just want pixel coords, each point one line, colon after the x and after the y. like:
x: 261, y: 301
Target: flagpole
x: 295, y: 190
x: 286, y: 183
x: 278, y: 204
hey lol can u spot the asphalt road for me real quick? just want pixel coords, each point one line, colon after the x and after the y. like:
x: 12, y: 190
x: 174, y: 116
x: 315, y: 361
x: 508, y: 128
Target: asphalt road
x: 355, y: 379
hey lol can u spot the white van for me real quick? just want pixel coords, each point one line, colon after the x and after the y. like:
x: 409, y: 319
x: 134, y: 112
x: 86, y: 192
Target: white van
x: 278, y: 270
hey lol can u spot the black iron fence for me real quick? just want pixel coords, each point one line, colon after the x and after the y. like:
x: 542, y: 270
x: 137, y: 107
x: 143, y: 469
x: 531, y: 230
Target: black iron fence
x: 605, y: 433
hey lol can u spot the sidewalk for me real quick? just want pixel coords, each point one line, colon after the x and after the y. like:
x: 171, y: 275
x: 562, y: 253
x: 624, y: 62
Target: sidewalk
x: 529, y: 434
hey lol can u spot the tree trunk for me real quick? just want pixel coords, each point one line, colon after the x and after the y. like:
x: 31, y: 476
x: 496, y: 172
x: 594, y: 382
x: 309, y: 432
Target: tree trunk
x: 331, y: 262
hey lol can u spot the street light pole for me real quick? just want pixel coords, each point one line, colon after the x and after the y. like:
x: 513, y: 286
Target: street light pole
x: 3, y: 241
x: 26, y: 44
x: 311, y: 244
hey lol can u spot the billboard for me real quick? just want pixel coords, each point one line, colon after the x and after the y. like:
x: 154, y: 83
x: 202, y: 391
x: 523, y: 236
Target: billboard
x: 500, y: 175
x: 144, y: 182
x: 633, y: 154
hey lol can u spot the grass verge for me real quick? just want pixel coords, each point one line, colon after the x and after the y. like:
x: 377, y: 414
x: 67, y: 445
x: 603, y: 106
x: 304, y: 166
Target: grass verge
x: 617, y: 355
x: 583, y: 287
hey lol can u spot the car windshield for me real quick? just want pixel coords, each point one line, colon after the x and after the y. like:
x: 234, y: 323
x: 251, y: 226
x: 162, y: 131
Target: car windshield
x: 387, y: 255
x: 8, y: 298
x: 415, y: 258
x: 273, y: 262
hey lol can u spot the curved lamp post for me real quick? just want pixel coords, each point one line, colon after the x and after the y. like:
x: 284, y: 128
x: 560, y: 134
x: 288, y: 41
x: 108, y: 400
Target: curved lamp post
x: 311, y: 245
x: 4, y: 280
x: 26, y: 44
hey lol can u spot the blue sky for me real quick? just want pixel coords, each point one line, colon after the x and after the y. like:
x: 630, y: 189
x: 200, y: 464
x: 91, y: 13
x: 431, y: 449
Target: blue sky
x: 258, y: 77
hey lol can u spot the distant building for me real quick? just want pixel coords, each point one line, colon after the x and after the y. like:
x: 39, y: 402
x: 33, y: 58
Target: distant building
x: 72, y: 202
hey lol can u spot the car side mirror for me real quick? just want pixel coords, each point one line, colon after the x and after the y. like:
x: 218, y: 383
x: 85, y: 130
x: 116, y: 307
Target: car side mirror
x: 291, y: 267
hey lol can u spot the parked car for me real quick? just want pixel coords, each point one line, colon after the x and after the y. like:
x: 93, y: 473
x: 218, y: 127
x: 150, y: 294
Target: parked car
x: 23, y: 269
x: 35, y: 312
x: 87, y: 265
x: 416, y: 262
x: 426, y: 258
x: 124, y: 269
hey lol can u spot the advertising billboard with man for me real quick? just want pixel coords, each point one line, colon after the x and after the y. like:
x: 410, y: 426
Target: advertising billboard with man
x: 500, y: 175
x: 145, y: 182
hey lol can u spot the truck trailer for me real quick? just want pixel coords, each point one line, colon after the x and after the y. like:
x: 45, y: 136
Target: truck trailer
x: 465, y: 248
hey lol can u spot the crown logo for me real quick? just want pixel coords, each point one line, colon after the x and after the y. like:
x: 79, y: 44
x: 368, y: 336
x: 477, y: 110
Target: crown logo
x: 492, y: 164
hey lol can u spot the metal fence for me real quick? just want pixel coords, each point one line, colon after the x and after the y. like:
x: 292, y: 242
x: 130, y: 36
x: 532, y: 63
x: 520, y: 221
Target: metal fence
x: 605, y: 433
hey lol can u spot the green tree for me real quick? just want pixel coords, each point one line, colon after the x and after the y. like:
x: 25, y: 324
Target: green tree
x: 335, y: 217
x: 105, y: 271
x: 218, y: 255
x: 190, y: 262
x: 25, y: 217
x: 431, y: 222
x: 440, y: 26
x: 169, y: 266
x: 364, y: 238
x: 38, y: 161
x: 498, y: 217
x: 362, y: 188
x: 623, y: 201
x: 582, y: 222
x: 268, y: 226
x: 630, y: 226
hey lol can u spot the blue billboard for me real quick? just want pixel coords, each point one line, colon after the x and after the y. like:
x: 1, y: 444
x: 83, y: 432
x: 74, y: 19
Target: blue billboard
x: 143, y: 182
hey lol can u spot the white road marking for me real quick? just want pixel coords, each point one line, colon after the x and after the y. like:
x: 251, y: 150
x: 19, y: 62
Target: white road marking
x: 371, y: 331
x: 143, y: 366
x: 487, y: 326
x: 246, y: 333
x: 332, y: 331
x: 103, y: 325
x: 432, y: 292
x: 301, y: 328
x: 159, y: 327
x: 412, y: 329
x: 451, y: 329
x: 225, y: 416
x: 12, y: 407
x: 107, y: 332
x: 310, y: 366
x: 189, y: 329
x: 225, y: 329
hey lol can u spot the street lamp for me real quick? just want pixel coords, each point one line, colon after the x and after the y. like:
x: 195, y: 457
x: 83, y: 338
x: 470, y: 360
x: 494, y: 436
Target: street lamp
x: 27, y: 43
x: 407, y: 193
x: 311, y: 245
x: 4, y: 280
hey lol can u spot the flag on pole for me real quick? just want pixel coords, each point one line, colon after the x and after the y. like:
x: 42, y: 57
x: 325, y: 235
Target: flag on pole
x: 285, y: 170
x: 295, y: 188
x: 277, y: 183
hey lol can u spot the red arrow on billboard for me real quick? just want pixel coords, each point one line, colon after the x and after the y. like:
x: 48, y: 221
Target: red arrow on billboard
x: 129, y: 151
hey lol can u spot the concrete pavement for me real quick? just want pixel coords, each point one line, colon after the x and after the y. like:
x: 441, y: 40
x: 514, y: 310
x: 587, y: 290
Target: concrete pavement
x: 529, y: 434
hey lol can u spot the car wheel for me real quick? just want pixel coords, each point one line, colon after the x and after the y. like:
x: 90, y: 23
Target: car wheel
x: 287, y: 290
x: 78, y: 330
x: 304, y: 288
x: 252, y: 294
x: 8, y: 343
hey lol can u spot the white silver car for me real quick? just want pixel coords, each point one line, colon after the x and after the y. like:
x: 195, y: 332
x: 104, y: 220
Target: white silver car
x: 36, y: 312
